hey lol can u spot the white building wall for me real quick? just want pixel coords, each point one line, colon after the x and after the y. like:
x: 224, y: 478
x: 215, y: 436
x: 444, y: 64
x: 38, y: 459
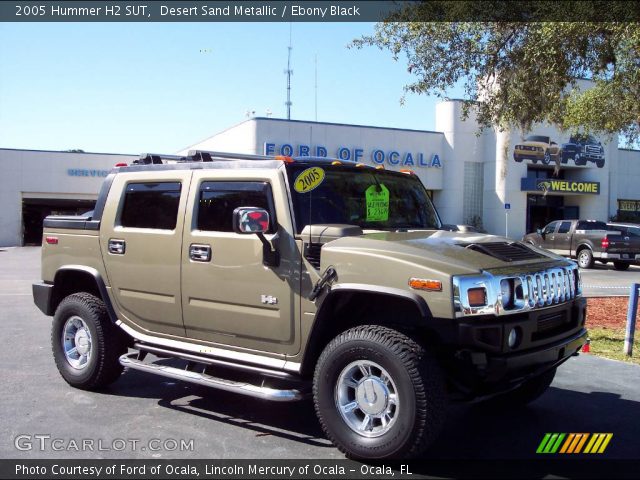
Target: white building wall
x: 42, y: 174
x: 627, y: 177
x: 460, y: 145
x: 240, y: 138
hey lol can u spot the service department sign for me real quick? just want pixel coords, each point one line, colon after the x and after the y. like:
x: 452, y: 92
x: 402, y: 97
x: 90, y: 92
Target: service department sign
x: 559, y: 186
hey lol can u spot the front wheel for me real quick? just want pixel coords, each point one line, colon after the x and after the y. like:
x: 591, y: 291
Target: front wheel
x: 86, y: 345
x: 378, y: 394
x: 585, y: 258
x: 621, y: 265
x: 547, y: 157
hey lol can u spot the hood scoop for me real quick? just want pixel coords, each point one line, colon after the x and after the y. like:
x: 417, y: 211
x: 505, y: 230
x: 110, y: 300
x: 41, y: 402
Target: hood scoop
x: 507, y: 252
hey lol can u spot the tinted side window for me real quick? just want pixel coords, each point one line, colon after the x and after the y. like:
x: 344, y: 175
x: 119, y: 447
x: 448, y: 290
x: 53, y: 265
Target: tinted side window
x: 564, y: 227
x: 151, y: 205
x: 218, y: 200
x: 550, y: 228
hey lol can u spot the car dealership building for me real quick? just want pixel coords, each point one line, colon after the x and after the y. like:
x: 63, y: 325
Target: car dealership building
x: 501, y: 181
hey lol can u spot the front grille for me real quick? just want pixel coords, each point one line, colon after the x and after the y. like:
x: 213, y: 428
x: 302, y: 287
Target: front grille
x: 507, y: 252
x: 551, y: 287
x: 312, y: 254
x: 593, y: 149
x: 551, y: 325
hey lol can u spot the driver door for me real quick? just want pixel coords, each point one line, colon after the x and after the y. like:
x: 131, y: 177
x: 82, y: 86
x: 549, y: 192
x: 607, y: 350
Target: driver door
x: 229, y: 295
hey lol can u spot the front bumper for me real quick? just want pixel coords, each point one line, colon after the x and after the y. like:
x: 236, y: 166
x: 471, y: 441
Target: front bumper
x: 630, y: 257
x: 485, y: 364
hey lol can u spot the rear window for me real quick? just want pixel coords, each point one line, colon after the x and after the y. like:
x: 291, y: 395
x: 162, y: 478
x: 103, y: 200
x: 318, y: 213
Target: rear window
x: 591, y: 226
x: 151, y: 205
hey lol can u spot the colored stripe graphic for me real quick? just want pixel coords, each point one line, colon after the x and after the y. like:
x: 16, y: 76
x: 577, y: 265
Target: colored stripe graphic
x: 574, y: 443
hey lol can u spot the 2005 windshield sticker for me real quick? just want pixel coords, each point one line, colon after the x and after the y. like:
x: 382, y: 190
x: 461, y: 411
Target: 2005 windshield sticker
x: 308, y: 179
x: 377, y: 199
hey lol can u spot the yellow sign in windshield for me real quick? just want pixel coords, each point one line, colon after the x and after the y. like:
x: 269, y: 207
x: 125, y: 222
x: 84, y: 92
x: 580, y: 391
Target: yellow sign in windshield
x: 308, y: 179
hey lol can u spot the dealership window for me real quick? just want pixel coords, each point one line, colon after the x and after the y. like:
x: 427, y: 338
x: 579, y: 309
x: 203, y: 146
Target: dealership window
x: 473, y: 192
x: 151, y: 205
x: 543, y: 173
x: 218, y: 200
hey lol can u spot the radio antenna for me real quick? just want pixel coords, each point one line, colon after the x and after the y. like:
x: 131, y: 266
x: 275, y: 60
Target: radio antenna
x: 316, y: 86
x: 289, y: 72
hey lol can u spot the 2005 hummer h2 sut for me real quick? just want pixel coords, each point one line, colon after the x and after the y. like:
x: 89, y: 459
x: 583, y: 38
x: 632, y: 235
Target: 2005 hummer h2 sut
x: 282, y: 278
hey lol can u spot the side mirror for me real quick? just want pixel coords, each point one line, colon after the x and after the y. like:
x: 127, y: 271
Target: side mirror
x: 248, y: 220
x: 539, y: 230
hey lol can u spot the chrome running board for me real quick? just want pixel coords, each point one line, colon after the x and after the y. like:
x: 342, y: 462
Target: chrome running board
x: 129, y: 360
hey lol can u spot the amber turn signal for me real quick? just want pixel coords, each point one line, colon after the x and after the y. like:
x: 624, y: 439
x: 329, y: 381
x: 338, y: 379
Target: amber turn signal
x: 422, y: 284
x: 477, y: 297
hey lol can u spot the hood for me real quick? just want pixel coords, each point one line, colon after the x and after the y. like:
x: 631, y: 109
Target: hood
x: 454, y: 253
x: 531, y: 143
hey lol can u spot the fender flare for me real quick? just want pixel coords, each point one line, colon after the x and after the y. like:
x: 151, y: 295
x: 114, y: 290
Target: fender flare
x: 420, y: 302
x: 100, y: 284
x: 312, y: 347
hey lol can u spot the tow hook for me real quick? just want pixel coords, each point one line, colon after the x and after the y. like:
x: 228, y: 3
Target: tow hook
x: 328, y: 276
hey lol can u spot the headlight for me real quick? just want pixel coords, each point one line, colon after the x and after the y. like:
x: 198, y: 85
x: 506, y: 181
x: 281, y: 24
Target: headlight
x: 506, y: 292
x: 477, y: 297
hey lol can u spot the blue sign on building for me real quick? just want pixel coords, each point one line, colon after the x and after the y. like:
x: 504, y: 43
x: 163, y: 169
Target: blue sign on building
x: 377, y: 156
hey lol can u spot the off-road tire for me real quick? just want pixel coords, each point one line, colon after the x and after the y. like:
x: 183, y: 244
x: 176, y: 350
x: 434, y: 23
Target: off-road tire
x: 585, y: 258
x: 578, y: 160
x: 524, y: 394
x: 621, y: 265
x: 600, y: 163
x: 416, y: 376
x: 108, y: 342
x: 547, y: 157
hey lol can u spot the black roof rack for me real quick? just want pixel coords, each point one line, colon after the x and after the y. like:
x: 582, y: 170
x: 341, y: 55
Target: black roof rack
x: 158, y: 158
x: 210, y: 156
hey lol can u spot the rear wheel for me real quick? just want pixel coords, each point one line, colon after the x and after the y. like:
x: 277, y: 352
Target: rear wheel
x: 621, y: 265
x: 378, y: 394
x: 86, y: 345
x: 585, y: 258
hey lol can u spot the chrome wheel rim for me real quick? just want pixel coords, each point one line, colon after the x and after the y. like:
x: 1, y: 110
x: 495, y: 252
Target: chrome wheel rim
x: 583, y: 259
x: 367, y: 398
x: 76, y: 342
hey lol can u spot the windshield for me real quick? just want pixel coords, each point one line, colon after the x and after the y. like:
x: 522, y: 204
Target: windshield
x: 372, y: 199
x: 537, y: 138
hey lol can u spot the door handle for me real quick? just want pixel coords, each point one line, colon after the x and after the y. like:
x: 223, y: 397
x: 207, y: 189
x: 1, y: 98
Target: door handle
x: 117, y: 247
x: 200, y: 253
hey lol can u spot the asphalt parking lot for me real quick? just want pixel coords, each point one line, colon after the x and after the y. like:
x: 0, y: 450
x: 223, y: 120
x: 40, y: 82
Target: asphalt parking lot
x: 37, y: 407
x: 604, y: 280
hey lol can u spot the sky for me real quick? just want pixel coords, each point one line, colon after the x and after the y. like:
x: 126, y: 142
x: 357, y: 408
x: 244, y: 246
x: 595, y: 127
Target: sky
x: 160, y: 87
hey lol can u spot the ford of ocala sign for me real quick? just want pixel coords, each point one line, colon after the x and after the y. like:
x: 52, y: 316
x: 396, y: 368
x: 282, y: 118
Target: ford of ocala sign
x: 377, y: 156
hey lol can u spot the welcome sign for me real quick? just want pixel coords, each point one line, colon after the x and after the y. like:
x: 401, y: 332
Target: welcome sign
x: 559, y: 186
